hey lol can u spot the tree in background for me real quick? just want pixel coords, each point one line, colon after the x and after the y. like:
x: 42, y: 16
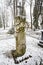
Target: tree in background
x: 3, y: 17
x: 35, y: 15
x: 37, y: 12
x: 31, y: 11
x: 30, y: 2
x: 0, y: 22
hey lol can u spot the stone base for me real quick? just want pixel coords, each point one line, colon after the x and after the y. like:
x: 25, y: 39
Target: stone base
x: 15, y: 54
x: 40, y: 43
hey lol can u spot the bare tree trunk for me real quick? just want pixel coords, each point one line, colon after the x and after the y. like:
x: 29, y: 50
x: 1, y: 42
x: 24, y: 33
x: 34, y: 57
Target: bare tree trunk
x: 4, y: 24
x: 31, y: 12
x: 31, y: 16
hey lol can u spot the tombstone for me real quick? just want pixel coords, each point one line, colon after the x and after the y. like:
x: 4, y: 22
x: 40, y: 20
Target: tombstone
x: 41, y: 41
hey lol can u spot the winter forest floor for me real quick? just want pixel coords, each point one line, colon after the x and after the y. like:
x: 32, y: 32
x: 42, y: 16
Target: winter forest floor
x: 7, y: 43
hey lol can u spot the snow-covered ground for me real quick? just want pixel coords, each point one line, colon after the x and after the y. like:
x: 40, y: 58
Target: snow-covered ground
x: 32, y: 49
x: 35, y: 34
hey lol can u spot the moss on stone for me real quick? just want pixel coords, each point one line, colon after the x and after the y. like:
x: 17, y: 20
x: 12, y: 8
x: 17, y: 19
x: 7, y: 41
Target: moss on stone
x: 20, y: 37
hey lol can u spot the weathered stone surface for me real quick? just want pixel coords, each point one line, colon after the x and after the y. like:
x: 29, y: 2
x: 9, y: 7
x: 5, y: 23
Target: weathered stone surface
x: 20, y: 37
x: 41, y: 41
